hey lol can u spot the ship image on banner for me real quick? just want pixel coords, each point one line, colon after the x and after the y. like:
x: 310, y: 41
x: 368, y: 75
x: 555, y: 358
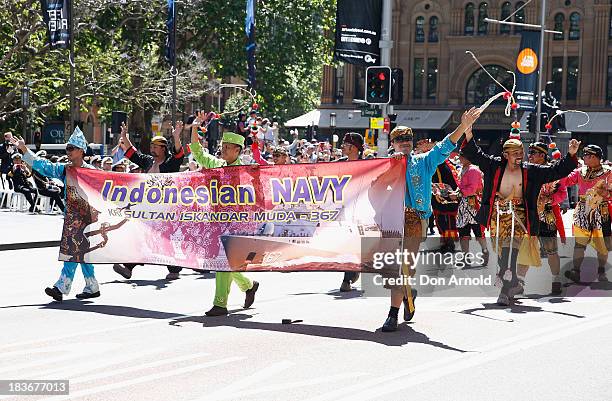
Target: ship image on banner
x: 303, y: 217
x: 358, y: 31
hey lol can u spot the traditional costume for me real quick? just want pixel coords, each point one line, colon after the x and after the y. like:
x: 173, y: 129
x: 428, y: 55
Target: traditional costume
x: 58, y: 170
x: 444, y: 181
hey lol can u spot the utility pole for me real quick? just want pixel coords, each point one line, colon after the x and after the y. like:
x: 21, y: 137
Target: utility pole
x: 386, y: 45
x: 174, y: 72
x: 540, y: 70
x: 71, y: 62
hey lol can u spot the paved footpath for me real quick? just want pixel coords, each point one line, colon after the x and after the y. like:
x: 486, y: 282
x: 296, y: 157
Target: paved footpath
x: 147, y: 339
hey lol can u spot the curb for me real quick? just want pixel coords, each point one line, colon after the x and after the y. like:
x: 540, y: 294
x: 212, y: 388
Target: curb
x: 29, y: 245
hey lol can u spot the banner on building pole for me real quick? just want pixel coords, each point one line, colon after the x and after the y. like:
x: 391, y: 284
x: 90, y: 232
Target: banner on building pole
x: 327, y: 216
x: 56, y: 16
x: 358, y: 24
x: 527, y: 63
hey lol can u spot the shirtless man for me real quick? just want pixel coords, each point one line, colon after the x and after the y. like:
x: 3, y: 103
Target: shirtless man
x: 511, y: 190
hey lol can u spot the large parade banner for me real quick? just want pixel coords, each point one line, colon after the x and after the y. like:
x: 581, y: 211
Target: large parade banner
x: 527, y: 70
x: 325, y: 216
x: 358, y: 31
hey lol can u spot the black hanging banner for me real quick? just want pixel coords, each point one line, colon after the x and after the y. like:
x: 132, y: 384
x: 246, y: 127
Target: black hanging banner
x: 358, y: 31
x: 527, y: 63
x: 56, y: 15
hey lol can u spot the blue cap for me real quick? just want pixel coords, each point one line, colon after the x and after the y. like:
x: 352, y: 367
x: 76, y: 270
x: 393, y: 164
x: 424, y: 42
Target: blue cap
x: 78, y: 139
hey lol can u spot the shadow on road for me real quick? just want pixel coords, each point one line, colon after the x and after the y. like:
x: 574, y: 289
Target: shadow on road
x: 518, y: 308
x: 159, y: 284
x: 91, y: 307
x: 404, y: 335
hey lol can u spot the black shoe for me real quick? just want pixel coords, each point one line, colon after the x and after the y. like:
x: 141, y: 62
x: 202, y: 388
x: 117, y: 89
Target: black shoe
x: 54, y: 293
x: 87, y: 295
x: 217, y: 311
x: 556, y: 288
x: 123, y: 271
x: 390, y: 325
x: 345, y: 287
x: 485, y: 258
x: 250, y: 295
x: 573, y: 275
x: 407, y: 314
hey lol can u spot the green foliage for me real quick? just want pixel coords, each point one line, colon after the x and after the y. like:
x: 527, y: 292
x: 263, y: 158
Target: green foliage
x: 119, y: 46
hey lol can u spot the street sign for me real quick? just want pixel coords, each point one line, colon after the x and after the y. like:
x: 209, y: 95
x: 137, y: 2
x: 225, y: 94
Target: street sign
x: 371, y: 113
x: 377, y: 123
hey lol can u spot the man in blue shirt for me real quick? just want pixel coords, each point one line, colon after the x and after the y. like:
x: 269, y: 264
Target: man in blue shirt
x: 419, y: 170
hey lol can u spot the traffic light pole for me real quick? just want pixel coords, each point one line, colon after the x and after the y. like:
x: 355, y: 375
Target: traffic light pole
x: 386, y: 45
x: 541, y: 71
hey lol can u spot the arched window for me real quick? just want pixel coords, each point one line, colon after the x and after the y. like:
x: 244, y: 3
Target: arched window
x: 506, y: 10
x: 468, y: 28
x: 482, y: 14
x: 559, y: 21
x: 481, y: 87
x: 433, y: 29
x: 419, y: 30
x: 574, y: 30
x: 519, y: 16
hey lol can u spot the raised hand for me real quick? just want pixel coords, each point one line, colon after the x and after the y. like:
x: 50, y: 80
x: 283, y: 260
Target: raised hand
x: 574, y: 145
x: 124, y: 140
x: 18, y: 142
x: 470, y: 116
x: 178, y: 129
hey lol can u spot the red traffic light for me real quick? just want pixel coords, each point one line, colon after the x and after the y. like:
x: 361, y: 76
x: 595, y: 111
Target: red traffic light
x: 382, y: 76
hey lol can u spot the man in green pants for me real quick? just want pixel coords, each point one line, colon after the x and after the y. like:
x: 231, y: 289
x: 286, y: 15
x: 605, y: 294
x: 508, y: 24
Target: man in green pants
x: 231, y: 148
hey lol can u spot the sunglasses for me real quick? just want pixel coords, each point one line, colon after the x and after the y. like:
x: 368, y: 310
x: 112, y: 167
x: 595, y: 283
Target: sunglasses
x: 70, y: 148
x: 535, y: 152
x: 404, y: 138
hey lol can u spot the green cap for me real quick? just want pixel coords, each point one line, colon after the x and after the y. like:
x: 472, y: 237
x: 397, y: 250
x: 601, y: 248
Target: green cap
x: 236, y: 139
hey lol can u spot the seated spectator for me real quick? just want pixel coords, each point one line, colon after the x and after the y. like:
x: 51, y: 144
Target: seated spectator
x: 20, y: 174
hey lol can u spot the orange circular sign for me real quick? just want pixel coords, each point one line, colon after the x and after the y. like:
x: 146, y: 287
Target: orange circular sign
x: 527, y: 61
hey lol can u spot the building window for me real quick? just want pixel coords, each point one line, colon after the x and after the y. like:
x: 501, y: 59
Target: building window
x: 433, y: 29
x: 574, y: 31
x: 359, y: 88
x: 573, y: 64
x: 559, y: 20
x: 506, y: 10
x: 482, y: 14
x: 419, y: 33
x: 519, y: 16
x: 480, y: 86
x: 339, y: 84
x: 609, y: 92
x: 432, y: 78
x: 468, y: 28
x: 418, y: 74
x: 557, y: 76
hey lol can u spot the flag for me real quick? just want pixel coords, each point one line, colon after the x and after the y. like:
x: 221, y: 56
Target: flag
x: 249, y: 27
x: 56, y: 15
x: 527, y: 63
x: 170, y: 40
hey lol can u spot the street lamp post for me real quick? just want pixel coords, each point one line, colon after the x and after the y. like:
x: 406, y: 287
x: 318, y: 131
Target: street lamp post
x: 332, y: 123
x: 25, y: 103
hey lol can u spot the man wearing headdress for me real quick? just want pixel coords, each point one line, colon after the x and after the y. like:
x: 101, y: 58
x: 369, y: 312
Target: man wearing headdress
x: 161, y: 160
x: 551, y: 221
x: 75, y: 152
x: 231, y: 147
x: 591, y: 215
x: 417, y: 205
x: 509, y: 202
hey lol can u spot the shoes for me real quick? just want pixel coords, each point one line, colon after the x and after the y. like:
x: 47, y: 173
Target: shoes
x: 345, y: 287
x: 485, y: 258
x: 390, y: 325
x: 217, y: 311
x: 250, y: 295
x: 503, y: 300
x: 573, y: 275
x: 87, y: 295
x: 518, y: 289
x: 172, y: 276
x: 123, y: 271
x: 54, y: 293
x: 407, y: 314
x: 601, y: 275
x: 556, y: 288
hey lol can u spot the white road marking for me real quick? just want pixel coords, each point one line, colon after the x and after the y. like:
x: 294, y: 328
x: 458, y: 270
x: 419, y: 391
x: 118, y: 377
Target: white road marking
x: 144, y: 379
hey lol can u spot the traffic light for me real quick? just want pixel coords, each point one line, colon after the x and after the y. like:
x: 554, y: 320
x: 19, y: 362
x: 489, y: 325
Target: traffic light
x: 397, y: 86
x: 532, y: 122
x: 378, y: 85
